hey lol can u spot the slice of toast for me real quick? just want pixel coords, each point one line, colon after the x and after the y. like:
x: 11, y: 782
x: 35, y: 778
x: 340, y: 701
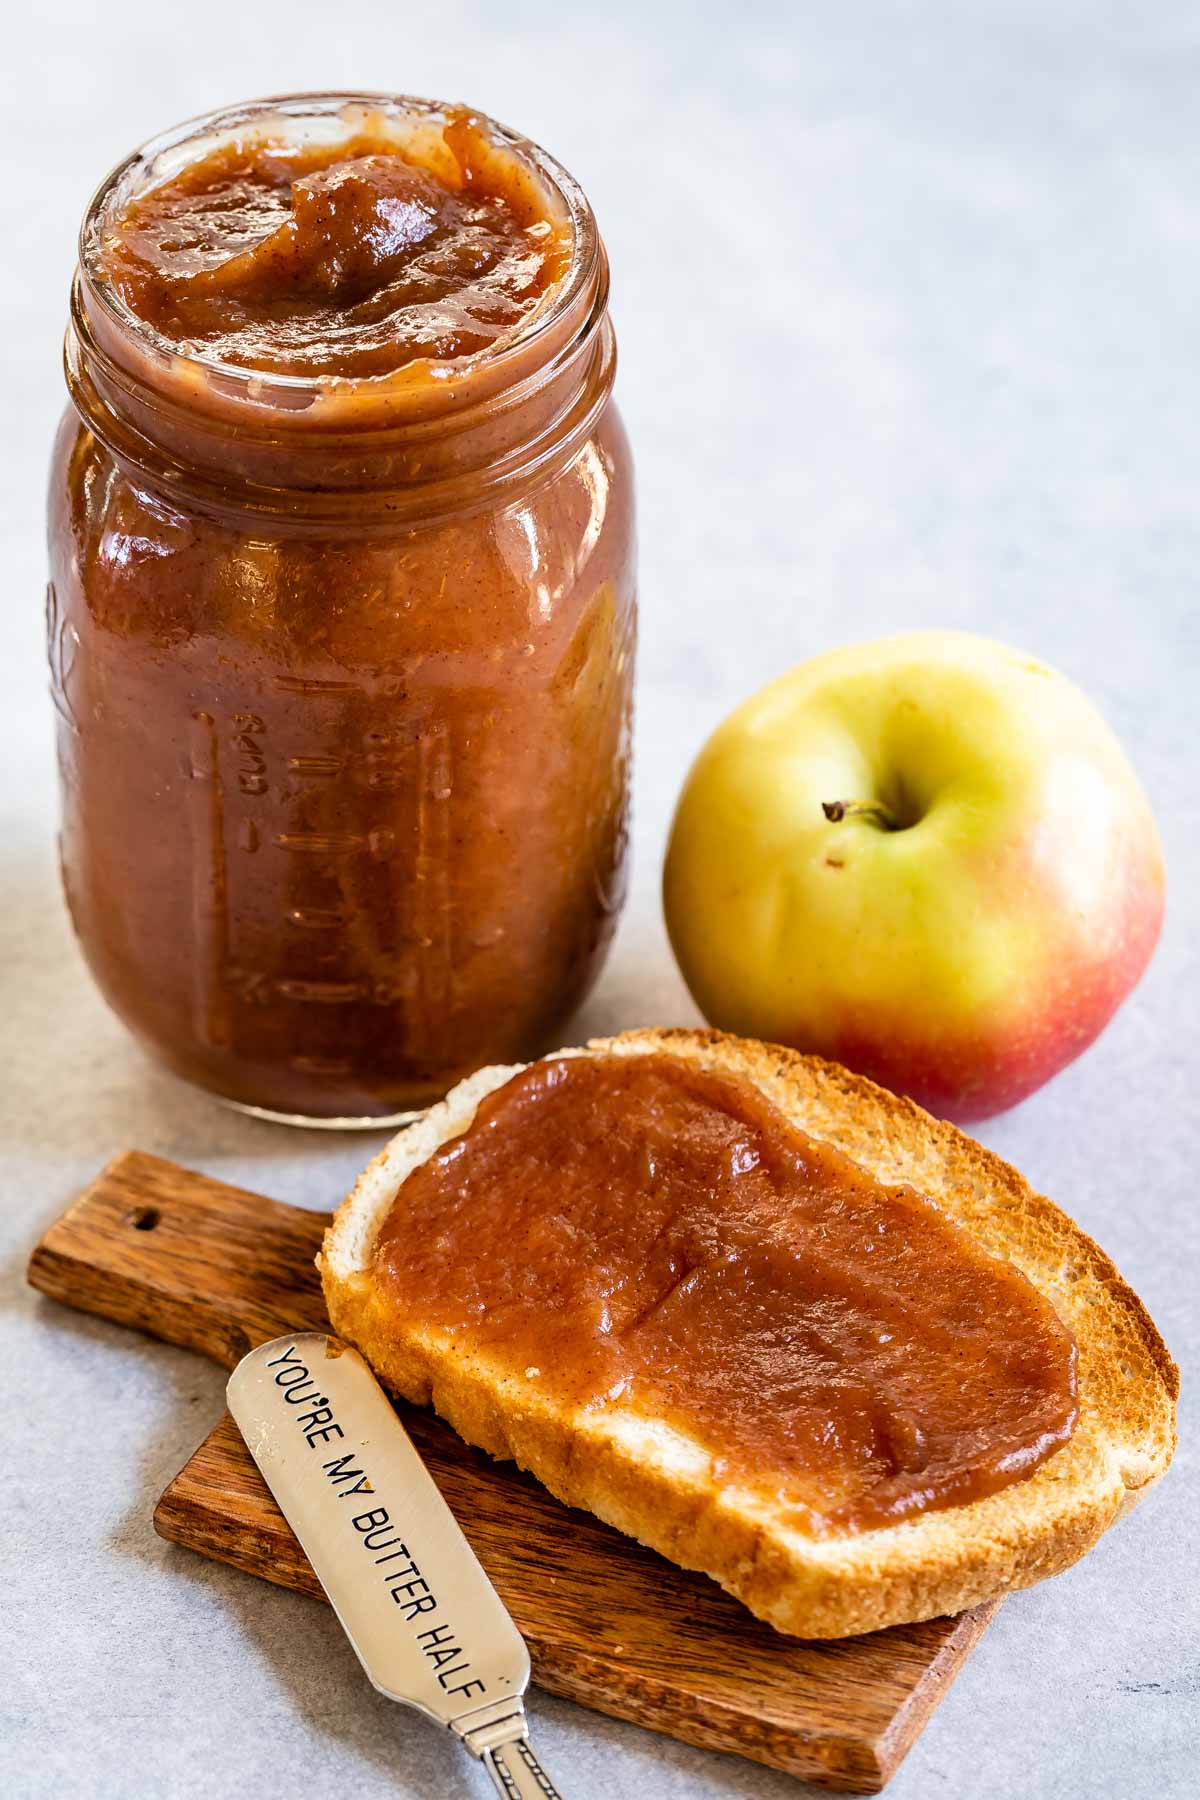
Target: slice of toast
x: 649, y: 1480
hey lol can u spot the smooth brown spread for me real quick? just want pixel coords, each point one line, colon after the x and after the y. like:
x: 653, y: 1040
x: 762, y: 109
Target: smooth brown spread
x: 346, y: 260
x: 636, y: 1232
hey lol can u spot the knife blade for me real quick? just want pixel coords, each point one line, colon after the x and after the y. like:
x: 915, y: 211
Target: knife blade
x: 427, y: 1625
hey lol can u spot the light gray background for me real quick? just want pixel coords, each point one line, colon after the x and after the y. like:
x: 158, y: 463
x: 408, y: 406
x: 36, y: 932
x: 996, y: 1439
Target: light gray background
x: 907, y: 301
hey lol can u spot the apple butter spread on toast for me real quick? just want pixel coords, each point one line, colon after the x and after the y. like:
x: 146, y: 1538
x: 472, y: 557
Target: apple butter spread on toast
x: 764, y: 1316
x: 652, y: 1235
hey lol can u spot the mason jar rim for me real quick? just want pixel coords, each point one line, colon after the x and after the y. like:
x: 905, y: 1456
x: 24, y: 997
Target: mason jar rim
x: 585, y: 244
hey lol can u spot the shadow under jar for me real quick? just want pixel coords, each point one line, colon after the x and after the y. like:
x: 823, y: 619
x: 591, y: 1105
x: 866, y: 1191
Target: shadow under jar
x: 341, y: 610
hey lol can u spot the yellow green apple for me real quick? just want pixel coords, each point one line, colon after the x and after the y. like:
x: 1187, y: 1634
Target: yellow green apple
x: 926, y: 857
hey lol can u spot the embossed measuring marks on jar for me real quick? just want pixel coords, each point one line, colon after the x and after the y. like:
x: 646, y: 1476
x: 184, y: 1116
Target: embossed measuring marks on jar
x: 252, y: 762
x: 62, y: 645
x: 322, y: 869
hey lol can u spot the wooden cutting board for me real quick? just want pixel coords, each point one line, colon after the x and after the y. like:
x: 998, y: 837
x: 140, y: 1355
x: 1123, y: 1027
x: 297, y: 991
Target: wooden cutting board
x: 609, y: 1624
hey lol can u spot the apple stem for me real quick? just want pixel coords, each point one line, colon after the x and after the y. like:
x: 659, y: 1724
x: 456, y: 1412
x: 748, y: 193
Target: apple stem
x: 837, y: 810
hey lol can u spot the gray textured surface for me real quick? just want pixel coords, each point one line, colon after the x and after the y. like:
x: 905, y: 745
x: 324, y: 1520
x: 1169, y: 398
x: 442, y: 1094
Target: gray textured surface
x: 967, y: 396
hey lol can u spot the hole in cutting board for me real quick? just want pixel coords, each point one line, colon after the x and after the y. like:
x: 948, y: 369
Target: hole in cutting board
x: 144, y: 1218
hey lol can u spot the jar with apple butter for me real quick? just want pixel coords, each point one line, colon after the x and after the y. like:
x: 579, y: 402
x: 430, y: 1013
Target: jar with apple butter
x: 341, y: 609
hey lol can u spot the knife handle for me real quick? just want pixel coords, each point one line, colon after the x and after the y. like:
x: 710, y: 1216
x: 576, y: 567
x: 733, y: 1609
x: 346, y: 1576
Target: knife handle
x: 517, y: 1773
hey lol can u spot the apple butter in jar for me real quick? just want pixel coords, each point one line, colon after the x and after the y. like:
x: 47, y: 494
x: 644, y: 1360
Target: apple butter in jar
x: 341, y: 610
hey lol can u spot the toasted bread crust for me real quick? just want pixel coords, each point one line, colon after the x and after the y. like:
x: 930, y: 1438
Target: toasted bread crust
x: 658, y: 1487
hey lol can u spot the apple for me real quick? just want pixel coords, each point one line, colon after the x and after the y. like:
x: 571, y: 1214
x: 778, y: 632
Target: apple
x: 925, y: 857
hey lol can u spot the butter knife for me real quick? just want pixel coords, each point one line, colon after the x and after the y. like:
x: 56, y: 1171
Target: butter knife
x: 425, y: 1622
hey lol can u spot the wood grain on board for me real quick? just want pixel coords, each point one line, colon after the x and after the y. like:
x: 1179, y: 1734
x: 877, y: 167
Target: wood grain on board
x: 609, y: 1624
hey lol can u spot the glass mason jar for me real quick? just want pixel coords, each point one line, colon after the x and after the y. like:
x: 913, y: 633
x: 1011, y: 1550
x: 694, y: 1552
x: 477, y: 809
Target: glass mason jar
x: 343, y: 675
